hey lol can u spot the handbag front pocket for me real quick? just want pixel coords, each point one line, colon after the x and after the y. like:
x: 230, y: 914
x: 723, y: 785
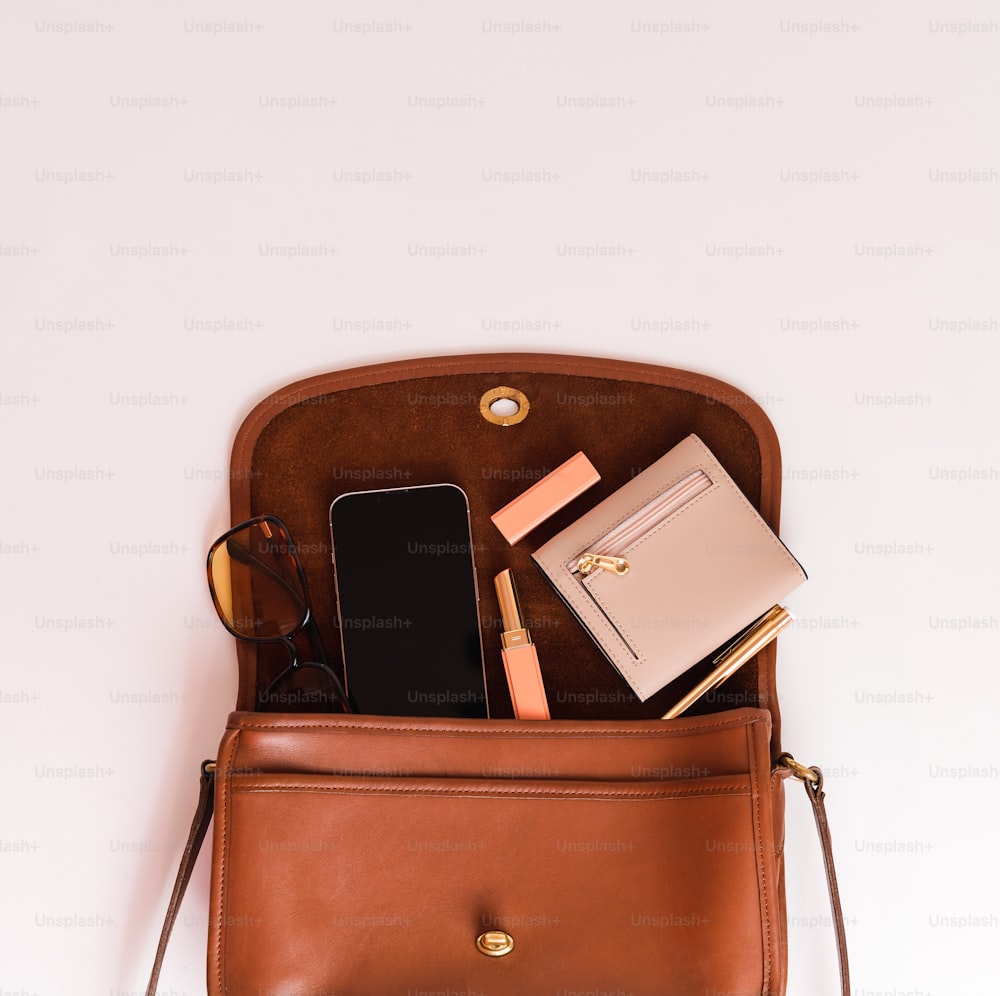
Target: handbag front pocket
x: 332, y: 883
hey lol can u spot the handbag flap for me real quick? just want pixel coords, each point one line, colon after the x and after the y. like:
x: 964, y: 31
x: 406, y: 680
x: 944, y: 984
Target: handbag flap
x: 421, y: 422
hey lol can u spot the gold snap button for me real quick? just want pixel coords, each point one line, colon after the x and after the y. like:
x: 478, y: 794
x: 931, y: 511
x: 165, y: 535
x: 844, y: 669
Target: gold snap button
x: 504, y: 406
x: 495, y: 943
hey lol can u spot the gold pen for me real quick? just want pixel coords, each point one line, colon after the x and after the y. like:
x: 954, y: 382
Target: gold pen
x: 520, y: 659
x: 758, y: 636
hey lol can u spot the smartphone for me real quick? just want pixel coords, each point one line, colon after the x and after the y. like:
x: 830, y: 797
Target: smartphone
x: 408, y: 603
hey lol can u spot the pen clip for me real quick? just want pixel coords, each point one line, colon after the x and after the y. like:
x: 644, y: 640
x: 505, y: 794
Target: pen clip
x: 748, y: 632
x: 757, y: 636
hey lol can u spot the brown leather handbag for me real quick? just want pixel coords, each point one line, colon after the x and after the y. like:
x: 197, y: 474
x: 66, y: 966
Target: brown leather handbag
x: 605, y: 850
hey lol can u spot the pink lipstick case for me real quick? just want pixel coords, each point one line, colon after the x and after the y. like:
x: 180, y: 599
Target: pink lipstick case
x: 545, y: 497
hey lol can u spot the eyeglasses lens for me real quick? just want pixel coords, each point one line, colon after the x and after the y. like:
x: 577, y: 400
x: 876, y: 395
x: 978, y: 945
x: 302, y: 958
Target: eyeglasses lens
x: 256, y: 567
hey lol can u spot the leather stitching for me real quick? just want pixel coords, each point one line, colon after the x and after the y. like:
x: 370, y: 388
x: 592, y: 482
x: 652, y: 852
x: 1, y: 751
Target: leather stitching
x: 761, y: 870
x: 667, y: 730
x: 223, y: 858
x: 498, y: 791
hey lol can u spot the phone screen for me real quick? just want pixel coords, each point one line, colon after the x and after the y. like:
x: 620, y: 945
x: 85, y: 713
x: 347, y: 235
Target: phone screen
x: 407, y: 602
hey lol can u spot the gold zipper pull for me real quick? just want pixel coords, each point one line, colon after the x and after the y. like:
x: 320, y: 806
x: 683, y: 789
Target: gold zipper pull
x: 587, y: 563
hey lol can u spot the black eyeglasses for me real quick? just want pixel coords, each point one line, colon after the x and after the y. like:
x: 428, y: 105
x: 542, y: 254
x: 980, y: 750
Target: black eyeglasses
x: 254, y: 567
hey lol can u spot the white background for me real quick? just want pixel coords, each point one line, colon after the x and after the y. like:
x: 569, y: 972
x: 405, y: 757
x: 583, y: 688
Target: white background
x: 800, y: 199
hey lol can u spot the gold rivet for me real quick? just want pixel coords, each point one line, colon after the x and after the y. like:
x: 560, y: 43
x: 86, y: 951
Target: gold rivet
x: 512, y: 394
x: 495, y: 943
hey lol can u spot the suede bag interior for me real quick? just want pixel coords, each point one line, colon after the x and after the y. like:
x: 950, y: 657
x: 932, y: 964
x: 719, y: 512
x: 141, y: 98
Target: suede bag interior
x: 416, y: 422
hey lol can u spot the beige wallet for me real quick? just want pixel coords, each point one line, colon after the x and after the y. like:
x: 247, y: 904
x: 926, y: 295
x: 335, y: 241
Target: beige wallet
x: 670, y: 567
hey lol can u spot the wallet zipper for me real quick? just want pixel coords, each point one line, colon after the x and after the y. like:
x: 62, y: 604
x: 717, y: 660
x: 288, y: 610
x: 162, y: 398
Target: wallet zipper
x: 606, y: 553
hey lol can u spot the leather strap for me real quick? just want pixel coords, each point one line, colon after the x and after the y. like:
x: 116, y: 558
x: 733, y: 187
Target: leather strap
x: 199, y: 827
x: 812, y: 779
x: 814, y: 789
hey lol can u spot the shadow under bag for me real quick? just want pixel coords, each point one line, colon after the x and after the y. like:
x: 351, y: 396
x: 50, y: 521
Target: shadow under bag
x: 603, y: 850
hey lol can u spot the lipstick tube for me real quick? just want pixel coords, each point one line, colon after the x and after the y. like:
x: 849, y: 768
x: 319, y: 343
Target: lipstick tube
x: 520, y: 660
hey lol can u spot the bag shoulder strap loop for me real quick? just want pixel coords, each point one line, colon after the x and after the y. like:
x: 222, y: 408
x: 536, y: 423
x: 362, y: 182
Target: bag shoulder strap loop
x: 812, y: 780
x: 199, y: 827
